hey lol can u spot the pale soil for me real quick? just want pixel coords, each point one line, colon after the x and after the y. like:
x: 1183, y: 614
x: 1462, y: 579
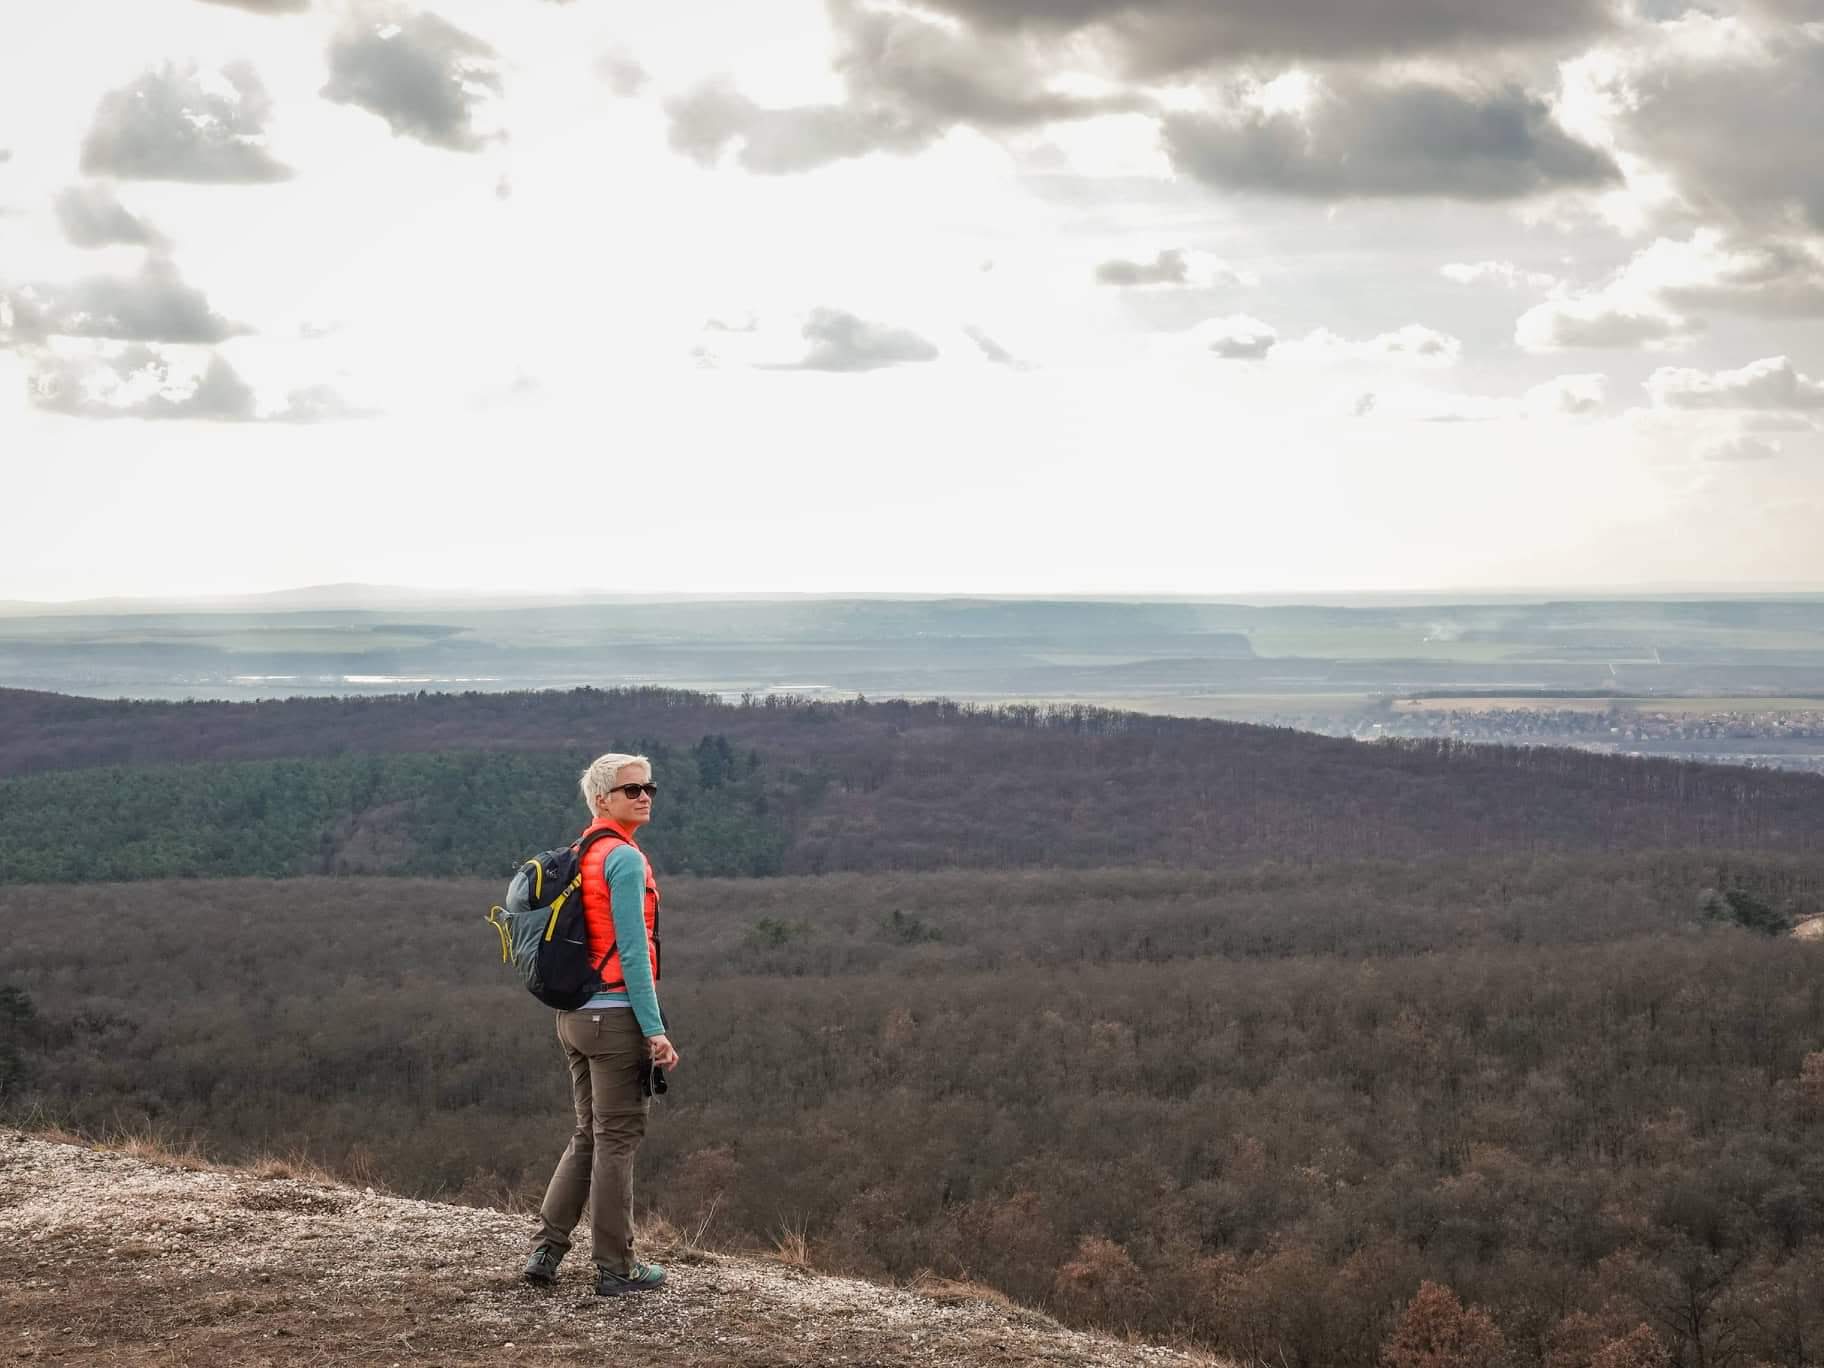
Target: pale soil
x: 110, y: 1258
x: 1810, y: 930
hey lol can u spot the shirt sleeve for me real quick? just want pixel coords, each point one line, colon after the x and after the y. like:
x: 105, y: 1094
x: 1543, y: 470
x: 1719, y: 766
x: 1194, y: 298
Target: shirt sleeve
x: 625, y: 870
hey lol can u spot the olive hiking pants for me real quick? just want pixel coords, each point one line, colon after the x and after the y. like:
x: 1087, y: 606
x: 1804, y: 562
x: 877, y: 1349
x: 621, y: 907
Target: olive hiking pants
x: 604, y: 1048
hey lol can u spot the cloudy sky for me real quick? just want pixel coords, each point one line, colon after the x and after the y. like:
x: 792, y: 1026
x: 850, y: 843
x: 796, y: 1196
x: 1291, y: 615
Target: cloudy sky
x: 1197, y: 296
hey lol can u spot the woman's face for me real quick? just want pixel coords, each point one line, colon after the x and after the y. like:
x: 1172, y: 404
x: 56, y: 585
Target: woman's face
x: 618, y: 807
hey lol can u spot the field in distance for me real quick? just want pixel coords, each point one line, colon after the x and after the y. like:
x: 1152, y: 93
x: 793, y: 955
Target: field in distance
x: 1732, y: 679
x: 1149, y: 654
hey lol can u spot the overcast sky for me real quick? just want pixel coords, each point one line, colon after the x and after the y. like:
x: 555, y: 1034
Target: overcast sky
x: 1194, y: 296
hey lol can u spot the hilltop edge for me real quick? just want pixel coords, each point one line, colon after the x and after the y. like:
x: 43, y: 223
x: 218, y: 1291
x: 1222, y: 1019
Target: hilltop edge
x: 109, y: 1257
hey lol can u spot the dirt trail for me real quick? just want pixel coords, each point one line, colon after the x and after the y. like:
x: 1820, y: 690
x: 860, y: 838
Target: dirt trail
x: 109, y: 1258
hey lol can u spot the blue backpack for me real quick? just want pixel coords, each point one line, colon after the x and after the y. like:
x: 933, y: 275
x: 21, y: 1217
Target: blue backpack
x: 542, y: 931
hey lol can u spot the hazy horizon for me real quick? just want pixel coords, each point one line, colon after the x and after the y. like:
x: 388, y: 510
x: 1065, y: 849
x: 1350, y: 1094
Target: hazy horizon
x: 355, y: 595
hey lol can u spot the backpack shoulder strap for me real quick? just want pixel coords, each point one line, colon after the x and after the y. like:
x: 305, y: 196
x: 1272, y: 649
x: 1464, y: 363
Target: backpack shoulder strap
x: 582, y: 846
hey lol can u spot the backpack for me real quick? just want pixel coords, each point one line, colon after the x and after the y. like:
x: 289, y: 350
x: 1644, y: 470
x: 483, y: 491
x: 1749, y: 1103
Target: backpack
x: 542, y: 931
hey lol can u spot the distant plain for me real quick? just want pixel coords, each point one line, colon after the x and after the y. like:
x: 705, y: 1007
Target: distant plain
x: 1356, y: 667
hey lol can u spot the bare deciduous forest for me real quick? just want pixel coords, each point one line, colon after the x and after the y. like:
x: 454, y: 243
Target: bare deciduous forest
x: 1261, y: 1107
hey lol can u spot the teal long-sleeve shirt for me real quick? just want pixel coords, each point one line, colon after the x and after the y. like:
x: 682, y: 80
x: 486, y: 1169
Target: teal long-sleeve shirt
x: 625, y: 871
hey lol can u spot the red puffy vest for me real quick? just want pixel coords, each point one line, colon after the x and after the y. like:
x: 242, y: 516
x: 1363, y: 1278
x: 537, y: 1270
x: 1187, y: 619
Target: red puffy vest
x: 597, y: 913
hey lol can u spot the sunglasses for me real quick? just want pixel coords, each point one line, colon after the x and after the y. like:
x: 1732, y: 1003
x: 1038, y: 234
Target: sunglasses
x: 631, y: 792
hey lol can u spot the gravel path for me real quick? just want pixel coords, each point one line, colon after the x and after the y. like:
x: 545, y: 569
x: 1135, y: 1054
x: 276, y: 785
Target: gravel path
x: 110, y: 1258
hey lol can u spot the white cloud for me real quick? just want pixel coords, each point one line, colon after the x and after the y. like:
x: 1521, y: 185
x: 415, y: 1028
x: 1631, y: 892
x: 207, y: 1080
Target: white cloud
x: 1574, y: 395
x: 1413, y: 345
x: 1740, y: 448
x: 91, y: 216
x: 1170, y: 268
x: 164, y: 384
x: 156, y: 305
x: 1772, y: 383
x: 427, y: 78
x: 185, y: 123
x: 824, y: 339
x: 1600, y: 321
x: 1777, y: 422
x: 1404, y: 403
x: 1503, y: 273
x: 1729, y: 274
x: 1241, y: 337
x: 1660, y: 297
x: 991, y: 350
x: 1236, y: 338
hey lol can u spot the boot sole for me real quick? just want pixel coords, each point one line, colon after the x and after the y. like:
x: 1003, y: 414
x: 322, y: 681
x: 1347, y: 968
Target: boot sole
x: 631, y: 1290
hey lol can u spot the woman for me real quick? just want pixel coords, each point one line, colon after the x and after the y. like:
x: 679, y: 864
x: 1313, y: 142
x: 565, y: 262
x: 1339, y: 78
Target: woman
x: 612, y: 1041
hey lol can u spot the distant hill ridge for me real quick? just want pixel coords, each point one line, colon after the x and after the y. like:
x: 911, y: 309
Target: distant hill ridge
x: 830, y: 786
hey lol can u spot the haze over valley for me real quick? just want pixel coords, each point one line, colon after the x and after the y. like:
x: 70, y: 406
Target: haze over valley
x: 1721, y: 677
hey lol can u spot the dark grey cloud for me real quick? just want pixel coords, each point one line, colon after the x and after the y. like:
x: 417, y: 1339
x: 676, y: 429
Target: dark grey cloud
x: 909, y: 80
x: 1157, y: 37
x: 1738, y: 136
x: 91, y: 216
x: 427, y: 78
x: 154, y: 306
x: 839, y: 341
x: 1367, y: 138
x: 266, y: 6
x: 172, y: 125
x: 933, y: 73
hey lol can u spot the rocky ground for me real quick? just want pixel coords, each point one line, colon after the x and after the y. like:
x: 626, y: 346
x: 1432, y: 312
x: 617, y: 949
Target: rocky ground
x: 110, y: 1257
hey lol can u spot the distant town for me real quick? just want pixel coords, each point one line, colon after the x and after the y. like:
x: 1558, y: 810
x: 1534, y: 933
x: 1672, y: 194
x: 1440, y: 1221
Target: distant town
x: 1737, y: 735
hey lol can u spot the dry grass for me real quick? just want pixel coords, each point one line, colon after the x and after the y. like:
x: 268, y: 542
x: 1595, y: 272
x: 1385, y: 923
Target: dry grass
x: 198, y: 1263
x: 792, y: 1245
x: 951, y: 1290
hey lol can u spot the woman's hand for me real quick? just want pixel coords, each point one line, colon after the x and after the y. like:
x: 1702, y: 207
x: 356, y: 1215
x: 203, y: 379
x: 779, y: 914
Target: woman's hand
x: 663, y: 1052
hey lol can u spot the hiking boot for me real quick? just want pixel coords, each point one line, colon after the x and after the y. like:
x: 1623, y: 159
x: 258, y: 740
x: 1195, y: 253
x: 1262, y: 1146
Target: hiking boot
x: 644, y: 1278
x: 541, y: 1268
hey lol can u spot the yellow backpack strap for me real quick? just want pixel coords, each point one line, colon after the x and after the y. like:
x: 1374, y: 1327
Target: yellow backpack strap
x: 501, y: 928
x: 557, y: 905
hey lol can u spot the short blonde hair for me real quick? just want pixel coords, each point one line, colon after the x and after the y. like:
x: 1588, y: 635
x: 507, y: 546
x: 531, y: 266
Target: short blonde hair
x: 598, y: 780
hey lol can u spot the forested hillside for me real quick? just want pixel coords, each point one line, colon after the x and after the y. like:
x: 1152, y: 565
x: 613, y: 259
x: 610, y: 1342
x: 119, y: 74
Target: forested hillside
x: 454, y: 784
x: 454, y: 812
x: 1259, y: 1107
